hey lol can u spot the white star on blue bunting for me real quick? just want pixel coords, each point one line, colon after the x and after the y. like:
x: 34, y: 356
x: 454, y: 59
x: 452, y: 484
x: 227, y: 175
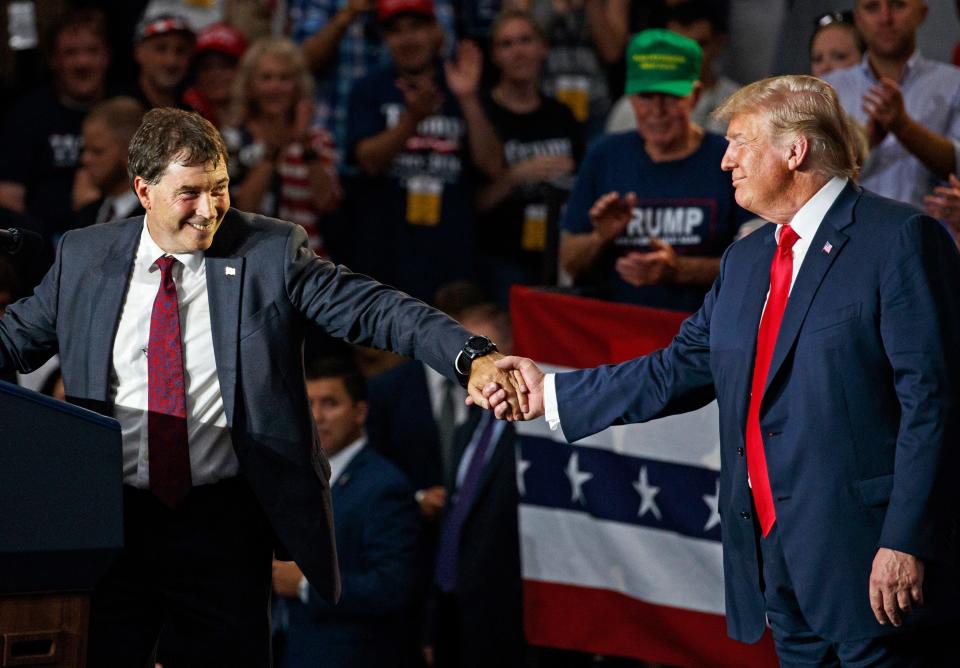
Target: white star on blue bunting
x: 577, y: 478
x: 648, y: 494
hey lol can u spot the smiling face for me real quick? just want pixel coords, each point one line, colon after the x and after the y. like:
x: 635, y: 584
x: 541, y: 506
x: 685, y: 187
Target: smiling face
x: 833, y: 48
x: 273, y: 87
x: 79, y: 63
x: 663, y: 120
x: 518, y: 50
x: 186, y: 206
x: 164, y: 59
x: 757, y: 165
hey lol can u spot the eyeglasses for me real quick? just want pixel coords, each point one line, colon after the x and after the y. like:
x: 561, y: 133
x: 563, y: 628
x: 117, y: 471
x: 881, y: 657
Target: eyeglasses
x: 830, y: 18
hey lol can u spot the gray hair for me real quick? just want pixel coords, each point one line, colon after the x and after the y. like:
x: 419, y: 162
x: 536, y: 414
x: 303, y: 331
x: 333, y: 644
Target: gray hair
x: 800, y: 105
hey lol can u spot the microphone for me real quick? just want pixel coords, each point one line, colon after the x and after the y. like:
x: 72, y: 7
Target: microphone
x: 14, y: 240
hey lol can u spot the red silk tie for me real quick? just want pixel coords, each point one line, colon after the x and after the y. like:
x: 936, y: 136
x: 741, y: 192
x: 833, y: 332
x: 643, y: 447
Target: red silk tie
x: 781, y: 273
x: 167, y: 404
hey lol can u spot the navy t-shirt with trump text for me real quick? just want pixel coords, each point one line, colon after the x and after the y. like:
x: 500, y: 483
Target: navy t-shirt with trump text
x: 687, y: 203
x: 414, y: 223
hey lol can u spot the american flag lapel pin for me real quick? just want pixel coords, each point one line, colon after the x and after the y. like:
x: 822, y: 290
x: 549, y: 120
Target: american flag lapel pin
x: 230, y: 271
x: 827, y: 247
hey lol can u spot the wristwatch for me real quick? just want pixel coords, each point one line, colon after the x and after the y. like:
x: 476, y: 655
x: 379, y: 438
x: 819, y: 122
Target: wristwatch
x: 476, y: 346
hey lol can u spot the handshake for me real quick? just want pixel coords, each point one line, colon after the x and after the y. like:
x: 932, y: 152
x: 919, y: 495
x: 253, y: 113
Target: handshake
x: 510, y: 386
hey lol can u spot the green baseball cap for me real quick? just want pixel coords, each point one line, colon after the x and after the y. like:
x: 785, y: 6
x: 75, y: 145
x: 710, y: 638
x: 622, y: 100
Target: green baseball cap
x: 661, y: 61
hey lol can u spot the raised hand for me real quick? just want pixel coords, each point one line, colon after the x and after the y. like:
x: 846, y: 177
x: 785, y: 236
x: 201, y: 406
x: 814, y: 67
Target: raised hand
x: 464, y: 69
x: 652, y: 268
x: 944, y: 204
x: 611, y: 213
x: 421, y: 97
x: 361, y: 6
x: 302, y: 120
x: 883, y: 103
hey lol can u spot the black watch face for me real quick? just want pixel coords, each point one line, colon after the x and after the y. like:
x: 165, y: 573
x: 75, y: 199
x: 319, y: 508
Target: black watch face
x: 478, y: 345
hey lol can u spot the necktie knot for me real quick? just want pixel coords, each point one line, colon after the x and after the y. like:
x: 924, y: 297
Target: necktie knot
x: 165, y: 264
x: 788, y: 237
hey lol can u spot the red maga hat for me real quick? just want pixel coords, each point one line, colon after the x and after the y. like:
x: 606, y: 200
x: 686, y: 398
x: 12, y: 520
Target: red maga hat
x: 222, y: 38
x: 387, y: 9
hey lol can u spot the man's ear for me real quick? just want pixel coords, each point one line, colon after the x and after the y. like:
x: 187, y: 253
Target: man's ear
x: 798, y: 153
x: 143, y: 191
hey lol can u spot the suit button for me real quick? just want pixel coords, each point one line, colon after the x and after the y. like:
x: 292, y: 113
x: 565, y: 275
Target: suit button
x: 745, y: 515
x: 740, y: 451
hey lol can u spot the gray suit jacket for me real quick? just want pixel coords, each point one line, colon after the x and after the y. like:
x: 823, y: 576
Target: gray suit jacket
x: 264, y: 287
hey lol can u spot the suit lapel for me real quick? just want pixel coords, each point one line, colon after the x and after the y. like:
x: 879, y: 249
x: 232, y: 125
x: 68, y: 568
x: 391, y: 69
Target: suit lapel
x: 224, y: 291
x: 356, y: 464
x: 107, y: 303
x: 755, y: 295
x: 815, y: 266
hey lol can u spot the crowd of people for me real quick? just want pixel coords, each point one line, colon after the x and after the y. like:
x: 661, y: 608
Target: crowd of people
x: 452, y: 150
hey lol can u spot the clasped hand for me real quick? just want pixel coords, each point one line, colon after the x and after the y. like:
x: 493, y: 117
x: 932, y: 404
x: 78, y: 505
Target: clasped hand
x: 514, y: 390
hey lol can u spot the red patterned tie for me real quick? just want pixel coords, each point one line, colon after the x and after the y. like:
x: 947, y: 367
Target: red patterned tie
x: 167, y: 404
x: 781, y: 272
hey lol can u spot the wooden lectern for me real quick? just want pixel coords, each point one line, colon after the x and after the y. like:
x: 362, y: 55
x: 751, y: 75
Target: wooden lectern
x: 61, y: 524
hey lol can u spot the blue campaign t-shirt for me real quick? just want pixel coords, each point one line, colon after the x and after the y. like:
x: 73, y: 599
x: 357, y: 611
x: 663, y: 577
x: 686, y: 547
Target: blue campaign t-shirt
x: 414, y: 223
x: 688, y: 203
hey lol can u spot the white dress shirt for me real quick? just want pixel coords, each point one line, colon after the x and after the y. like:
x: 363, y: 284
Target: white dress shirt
x: 435, y: 387
x: 805, y: 223
x: 211, y: 449
x: 120, y: 205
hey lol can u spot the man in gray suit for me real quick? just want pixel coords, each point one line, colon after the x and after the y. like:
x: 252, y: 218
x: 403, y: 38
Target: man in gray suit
x: 187, y: 326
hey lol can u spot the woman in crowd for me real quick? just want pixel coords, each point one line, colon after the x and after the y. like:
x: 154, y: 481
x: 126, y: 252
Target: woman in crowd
x: 542, y: 143
x: 280, y: 166
x: 835, y: 43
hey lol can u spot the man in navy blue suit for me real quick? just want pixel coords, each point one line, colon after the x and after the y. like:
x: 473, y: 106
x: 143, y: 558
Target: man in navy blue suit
x: 375, y: 521
x: 829, y: 341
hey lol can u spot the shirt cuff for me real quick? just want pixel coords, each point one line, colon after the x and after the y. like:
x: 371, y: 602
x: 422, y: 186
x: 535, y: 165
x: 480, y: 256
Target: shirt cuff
x: 303, y: 591
x: 550, y: 409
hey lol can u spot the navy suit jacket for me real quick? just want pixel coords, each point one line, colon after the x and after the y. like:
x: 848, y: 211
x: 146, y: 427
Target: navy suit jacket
x: 401, y: 423
x: 376, y: 522
x: 265, y: 286
x: 858, y: 416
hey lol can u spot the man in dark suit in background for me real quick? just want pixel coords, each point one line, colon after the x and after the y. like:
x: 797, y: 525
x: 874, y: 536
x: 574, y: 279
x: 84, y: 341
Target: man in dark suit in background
x: 375, y: 522
x: 187, y: 325
x: 477, y: 613
x: 829, y: 341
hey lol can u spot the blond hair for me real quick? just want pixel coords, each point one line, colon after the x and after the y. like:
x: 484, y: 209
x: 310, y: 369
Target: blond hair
x: 800, y: 105
x: 244, y: 106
